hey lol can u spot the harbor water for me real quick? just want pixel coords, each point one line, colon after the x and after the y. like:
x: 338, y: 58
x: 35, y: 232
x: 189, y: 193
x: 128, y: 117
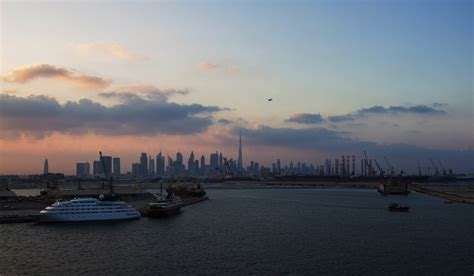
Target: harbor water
x: 258, y: 231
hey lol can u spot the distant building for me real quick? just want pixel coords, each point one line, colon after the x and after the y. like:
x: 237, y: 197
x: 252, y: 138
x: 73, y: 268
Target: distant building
x: 136, y: 169
x: 179, y: 164
x: 160, y: 165
x: 214, y: 162
x: 144, y: 165
x: 151, y: 165
x: 117, y: 170
x: 240, y: 159
x: 97, y: 169
x: 203, y: 165
x: 191, y: 171
x: 46, y: 167
x: 108, y: 165
x: 83, y: 169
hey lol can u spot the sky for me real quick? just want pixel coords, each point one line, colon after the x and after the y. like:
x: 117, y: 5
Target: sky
x: 392, y: 77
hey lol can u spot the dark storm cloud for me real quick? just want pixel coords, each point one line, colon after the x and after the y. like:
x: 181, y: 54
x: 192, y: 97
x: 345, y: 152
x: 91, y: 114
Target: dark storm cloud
x: 306, y: 118
x: 41, y: 115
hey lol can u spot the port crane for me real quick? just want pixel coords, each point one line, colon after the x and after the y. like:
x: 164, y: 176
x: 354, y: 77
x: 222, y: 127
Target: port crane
x: 367, y: 164
x: 441, y: 166
x: 227, y: 169
x: 434, y: 167
x: 389, y: 166
x: 381, y: 171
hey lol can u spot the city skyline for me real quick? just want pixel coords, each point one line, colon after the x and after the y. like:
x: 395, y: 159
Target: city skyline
x: 391, y: 78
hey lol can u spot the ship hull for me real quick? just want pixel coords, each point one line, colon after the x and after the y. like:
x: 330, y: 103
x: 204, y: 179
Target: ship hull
x: 163, y: 212
x: 88, y: 217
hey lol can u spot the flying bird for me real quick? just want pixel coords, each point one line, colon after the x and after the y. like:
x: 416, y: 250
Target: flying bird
x: 270, y: 100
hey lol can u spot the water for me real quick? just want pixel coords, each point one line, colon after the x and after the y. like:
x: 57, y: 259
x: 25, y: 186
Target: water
x: 267, y: 231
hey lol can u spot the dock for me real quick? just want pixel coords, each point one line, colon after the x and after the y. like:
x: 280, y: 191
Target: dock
x: 432, y: 191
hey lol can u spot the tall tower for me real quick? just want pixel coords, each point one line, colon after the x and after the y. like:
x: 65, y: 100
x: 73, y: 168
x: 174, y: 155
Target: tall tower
x: 239, y: 161
x: 45, y: 167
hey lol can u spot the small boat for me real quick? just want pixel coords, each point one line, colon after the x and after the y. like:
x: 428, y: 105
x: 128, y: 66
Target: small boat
x: 166, y: 204
x: 395, y: 207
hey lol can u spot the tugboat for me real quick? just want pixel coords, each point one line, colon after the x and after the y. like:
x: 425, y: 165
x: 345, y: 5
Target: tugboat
x: 395, y: 207
x: 165, y: 204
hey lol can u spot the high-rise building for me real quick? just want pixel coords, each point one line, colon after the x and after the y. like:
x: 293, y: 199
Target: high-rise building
x: 196, y: 167
x: 203, y: 164
x: 108, y: 165
x: 160, y: 165
x: 240, y: 159
x: 179, y: 164
x: 214, y: 163
x: 191, y: 171
x: 151, y: 165
x: 117, y: 170
x: 97, y: 169
x: 348, y: 165
x: 45, y: 167
x: 136, y: 169
x: 353, y: 165
x: 82, y: 169
x: 144, y: 165
x: 221, y: 160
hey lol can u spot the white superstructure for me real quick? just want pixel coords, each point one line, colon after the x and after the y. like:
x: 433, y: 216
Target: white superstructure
x: 88, y: 209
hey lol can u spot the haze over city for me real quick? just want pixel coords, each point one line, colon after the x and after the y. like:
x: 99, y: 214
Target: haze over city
x: 393, y: 78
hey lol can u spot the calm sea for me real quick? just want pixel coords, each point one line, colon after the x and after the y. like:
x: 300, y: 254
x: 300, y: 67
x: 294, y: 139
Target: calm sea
x: 258, y: 231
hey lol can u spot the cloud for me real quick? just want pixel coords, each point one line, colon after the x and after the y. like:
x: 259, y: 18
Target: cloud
x: 30, y: 72
x: 142, y: 92
x: 333, y: 143
x: 417, y: 109
x: 341, y: 118
x: 113, y: 49
x: 301, y: 138
x: 207, y: 66
x: 306, y: 118
x: 224, y: 122
x: 439, y: 104
x: 391, y: 110
x: 41, y: 115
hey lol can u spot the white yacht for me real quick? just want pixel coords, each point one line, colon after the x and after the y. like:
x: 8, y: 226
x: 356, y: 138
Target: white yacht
x: 88, y: 209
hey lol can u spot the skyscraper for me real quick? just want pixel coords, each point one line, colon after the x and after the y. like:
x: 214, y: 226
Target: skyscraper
x: 46, y: 166
x: 214, y: 163
x: 97, y: 169
x: 136, y: 169
x: 191, y: 164
x: 151, y: 166
x: 117, y: 170
x: 179, y: 164
x: 108, y: 165
x: 144, y: 165
x: 203, y: 165
x: 160, y: 165
x: 82, y: 169
x: 239, y: 161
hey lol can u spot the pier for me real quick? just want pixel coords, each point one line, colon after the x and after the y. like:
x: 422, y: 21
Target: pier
x: 435, y: 191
